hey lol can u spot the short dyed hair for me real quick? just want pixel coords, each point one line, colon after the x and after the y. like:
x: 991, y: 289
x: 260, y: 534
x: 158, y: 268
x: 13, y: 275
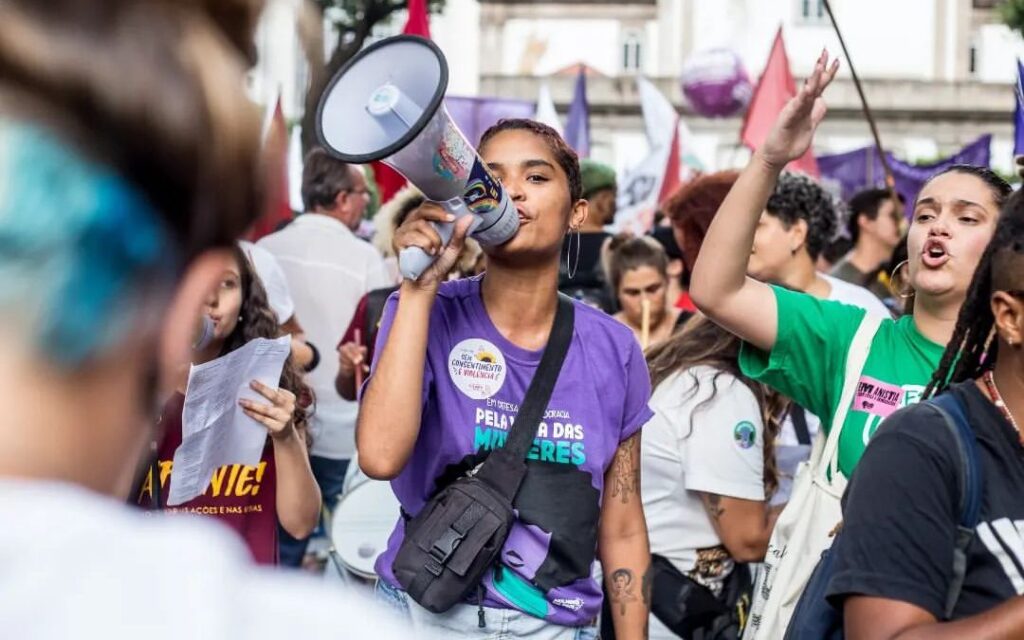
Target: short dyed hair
x: 693, y: 206
x: 564, y: 154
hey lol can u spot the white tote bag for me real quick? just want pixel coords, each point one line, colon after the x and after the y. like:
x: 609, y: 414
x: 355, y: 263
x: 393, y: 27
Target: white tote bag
x: 804, y: 528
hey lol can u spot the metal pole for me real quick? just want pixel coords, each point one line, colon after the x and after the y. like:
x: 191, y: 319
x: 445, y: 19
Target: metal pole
x: 890, y: 181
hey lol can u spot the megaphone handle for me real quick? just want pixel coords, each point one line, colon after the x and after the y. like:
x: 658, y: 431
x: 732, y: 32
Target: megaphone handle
x: 413, y: 261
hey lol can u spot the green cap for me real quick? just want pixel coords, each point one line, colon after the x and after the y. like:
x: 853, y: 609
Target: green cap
x: 595, y: 177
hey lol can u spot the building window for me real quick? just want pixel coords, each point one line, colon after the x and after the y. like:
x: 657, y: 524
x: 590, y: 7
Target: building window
x: 972, y: 61
x: 812, y: 11
x: 632, y: 52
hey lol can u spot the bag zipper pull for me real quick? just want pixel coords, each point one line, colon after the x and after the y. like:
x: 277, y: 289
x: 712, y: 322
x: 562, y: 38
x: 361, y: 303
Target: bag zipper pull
x: 481, y: 619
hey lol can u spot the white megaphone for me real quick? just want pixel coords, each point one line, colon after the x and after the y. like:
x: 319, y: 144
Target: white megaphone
x: 387, y: 104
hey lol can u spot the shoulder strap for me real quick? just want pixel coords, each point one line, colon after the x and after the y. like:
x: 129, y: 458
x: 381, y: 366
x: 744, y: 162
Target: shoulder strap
x: 971, y: 489
x: 856, y: 357
x: 504, y: 468
x: 799, y: 416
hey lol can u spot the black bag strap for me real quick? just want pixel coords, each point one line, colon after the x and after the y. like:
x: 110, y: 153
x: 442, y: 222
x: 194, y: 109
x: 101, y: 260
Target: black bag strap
x: 971, y: 489
x: 504, y: 468
x: 799, y: 416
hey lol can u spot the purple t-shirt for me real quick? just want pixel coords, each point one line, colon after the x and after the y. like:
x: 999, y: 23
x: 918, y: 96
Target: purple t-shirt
x: 473, y: 382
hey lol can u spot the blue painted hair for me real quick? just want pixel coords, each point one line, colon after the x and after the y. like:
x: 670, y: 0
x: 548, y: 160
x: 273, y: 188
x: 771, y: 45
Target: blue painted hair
x: 79, y: 246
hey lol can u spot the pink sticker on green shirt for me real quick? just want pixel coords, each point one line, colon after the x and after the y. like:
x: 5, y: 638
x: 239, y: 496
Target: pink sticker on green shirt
x: 877, y: 397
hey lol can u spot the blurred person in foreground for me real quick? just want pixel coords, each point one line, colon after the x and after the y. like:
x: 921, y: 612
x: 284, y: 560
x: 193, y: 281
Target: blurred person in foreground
x: 129, y: 163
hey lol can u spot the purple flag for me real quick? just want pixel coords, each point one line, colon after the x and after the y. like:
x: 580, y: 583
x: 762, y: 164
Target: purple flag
x: 1018, y: 115
x: 577, y: 128
x: 475, y: 115
x: 862, y: 168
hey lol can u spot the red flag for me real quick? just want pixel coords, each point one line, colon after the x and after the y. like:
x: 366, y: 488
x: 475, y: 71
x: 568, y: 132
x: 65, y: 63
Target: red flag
x: 671, y: 181
x: 417, y: 24
x: 275, y: 147
x: 774, y: 90
x: 390, y: 181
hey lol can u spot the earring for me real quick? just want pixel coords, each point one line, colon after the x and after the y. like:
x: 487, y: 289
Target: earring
x: 239, y: 318
x: 572, y: 264
x: 900, y: 292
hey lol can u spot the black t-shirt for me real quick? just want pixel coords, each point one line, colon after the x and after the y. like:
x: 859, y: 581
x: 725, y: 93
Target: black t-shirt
x: 902, y: 508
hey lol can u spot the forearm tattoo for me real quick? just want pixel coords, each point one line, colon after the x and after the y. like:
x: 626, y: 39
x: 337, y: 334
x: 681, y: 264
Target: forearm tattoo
x: 623, y: 591
x: 626, y: 469
x: 713, y: 505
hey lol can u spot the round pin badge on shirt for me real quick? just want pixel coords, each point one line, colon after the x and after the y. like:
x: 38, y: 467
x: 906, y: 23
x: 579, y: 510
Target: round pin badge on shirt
x: 745, y: 434
x: 477, y: 368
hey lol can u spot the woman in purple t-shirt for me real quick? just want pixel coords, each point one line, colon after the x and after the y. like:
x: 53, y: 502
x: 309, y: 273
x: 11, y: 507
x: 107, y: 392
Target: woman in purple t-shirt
x: 427, y: 418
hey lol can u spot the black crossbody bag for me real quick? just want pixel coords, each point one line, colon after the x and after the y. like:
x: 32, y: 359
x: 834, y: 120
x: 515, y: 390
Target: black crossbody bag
x: 459, y: 533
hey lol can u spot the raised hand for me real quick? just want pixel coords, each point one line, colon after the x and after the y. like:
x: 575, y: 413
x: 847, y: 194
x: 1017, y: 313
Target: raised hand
x: 794, y: 129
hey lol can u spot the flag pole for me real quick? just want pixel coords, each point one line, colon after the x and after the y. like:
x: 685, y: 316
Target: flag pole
x: 890, y: 181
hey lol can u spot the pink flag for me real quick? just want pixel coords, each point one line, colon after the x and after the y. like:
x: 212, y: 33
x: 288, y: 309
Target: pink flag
x: 774, y: 90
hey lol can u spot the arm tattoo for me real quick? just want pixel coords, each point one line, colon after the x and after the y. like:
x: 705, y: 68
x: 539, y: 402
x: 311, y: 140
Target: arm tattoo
x: 626, y: 469
x: 713, y: 505
x: 622, y: 589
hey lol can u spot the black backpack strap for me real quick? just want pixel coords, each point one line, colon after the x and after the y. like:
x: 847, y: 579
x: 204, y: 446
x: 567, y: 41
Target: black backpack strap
x: 971, y: 489
x: 504, y: 468
x: 799, y: 415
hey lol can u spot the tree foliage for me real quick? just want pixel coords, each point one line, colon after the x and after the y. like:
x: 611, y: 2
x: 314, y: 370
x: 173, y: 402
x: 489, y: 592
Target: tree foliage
x: 1012, y: 12
x: 353, y: 22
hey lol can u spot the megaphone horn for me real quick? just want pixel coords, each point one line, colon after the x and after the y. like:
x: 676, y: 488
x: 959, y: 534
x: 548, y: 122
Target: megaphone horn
x: 387, y: 103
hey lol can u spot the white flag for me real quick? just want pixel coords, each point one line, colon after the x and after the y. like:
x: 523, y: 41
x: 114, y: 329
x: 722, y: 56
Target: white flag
x: 641, y: 186
x: 546, y: 112
x: 295, y: 169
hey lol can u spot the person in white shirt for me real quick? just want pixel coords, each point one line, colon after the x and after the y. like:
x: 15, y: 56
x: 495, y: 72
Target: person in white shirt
x: 279, y: 296
x: 328, y: 269
x: 109, y: 237
x: 707, y: 462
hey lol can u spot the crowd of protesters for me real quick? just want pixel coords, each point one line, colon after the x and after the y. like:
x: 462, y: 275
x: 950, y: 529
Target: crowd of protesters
x: 768, y: 377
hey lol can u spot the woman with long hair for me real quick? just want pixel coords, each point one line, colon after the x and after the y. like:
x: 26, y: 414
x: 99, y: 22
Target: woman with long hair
x: 427, y: 419
x: 894, y: 574
x: 797, y: 343
x: 708, y: 464
x: 638, y: 274
x: 281, y: 487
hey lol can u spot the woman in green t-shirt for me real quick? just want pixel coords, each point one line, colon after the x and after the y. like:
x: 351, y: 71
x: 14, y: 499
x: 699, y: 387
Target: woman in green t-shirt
x: 797, y: 343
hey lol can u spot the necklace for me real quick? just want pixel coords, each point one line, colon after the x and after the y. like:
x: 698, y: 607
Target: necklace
x: 997, y: 399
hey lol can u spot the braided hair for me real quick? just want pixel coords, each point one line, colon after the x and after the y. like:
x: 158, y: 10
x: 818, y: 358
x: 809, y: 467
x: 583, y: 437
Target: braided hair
x: 973, y: 348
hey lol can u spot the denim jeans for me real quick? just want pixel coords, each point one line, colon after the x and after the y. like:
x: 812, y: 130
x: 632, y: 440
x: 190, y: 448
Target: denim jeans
x: 330, y: 476
x: 462, y: 621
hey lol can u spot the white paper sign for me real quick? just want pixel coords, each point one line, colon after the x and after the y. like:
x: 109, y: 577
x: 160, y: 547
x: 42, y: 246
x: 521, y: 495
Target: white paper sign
x: 214, y: 429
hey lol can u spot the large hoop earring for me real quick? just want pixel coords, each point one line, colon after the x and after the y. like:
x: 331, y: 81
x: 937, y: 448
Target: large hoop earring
x: 572, y: 262
x: 895, y: 288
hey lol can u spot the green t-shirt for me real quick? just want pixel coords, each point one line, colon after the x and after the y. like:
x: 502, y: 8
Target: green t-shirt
x: 808, y: 364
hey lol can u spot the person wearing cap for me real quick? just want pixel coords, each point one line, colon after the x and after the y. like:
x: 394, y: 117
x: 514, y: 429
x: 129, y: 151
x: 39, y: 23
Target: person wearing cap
x: 580, y: 275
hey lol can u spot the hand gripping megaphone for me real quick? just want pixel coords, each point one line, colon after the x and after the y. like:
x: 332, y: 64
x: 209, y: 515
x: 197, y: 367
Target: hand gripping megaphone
x: 387, y: 104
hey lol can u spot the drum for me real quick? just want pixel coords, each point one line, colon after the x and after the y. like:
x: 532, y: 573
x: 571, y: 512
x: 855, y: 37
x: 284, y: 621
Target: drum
x: 361, y: 524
